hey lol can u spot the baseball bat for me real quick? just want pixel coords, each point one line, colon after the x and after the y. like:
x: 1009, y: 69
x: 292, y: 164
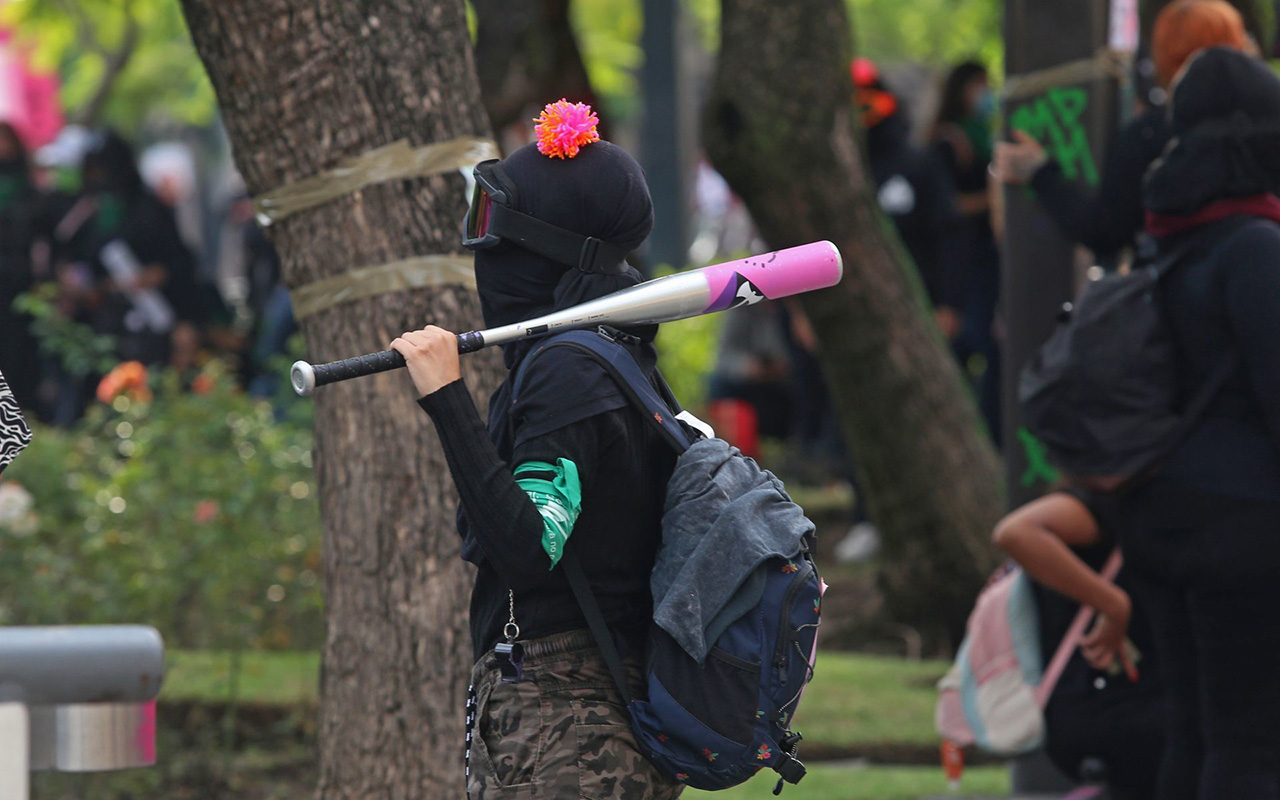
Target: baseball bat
x: 686, y: 294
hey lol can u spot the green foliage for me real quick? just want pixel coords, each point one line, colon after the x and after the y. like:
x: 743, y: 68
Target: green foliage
x: 193, y: 511
x: 78, y: 349
x: 938, y: 33
x: 687, y: 354
x: 608, y: 33
x: 935, y: 32
x: 161, y: 77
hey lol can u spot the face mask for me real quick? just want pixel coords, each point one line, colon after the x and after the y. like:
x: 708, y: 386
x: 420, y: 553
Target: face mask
x: 985, y: 105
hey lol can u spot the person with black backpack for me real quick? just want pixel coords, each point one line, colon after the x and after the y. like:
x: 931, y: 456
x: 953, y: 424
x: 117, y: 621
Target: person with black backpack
x: 567, y: 456
x: 1204, y: 538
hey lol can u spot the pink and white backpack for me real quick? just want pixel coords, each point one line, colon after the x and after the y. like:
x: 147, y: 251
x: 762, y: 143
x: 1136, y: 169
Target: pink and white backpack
x: 995, y: 693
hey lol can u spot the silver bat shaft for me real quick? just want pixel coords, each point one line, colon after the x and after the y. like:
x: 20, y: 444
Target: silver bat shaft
x: 675, y: 297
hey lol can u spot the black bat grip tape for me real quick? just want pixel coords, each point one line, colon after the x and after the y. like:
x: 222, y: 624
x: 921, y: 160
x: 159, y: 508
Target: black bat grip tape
x: 358, y: 366
x: 383, y: 361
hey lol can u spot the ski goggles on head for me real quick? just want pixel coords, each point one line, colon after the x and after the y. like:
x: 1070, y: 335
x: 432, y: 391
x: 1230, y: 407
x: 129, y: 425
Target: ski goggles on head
x: 492, y: 218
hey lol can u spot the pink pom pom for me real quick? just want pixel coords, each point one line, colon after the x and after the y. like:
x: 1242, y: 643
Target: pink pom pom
x: 564, y: 128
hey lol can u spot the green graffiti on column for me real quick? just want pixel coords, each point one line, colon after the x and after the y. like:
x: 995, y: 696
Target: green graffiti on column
x: 1038, y: 466
x: 1055, y: 120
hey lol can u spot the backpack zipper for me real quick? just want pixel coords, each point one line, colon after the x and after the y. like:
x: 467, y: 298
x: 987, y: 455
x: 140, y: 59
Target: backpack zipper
x: 780, y: 647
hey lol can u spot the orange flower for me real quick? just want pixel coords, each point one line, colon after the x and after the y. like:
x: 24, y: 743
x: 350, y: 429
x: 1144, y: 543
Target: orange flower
x: 206, y: 511
x: 108, y: 388
x: 202, y: 384
x: 129, y: 376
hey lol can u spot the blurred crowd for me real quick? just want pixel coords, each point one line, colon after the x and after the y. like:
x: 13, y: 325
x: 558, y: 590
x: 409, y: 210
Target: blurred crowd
x: 932, y: 181
x: 114, y: 257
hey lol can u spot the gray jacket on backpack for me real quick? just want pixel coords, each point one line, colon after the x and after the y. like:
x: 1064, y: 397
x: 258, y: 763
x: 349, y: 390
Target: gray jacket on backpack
x: 724, y: 518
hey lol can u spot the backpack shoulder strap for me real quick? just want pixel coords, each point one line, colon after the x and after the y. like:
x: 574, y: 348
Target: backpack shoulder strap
x: 626, y: 373
x: 1074, y: 634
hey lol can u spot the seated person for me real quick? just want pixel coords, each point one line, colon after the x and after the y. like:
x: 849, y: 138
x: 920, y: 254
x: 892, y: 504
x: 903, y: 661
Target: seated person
x: 1099, y: 711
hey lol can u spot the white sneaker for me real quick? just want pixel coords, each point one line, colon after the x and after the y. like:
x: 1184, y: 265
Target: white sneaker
x: 860, y: 543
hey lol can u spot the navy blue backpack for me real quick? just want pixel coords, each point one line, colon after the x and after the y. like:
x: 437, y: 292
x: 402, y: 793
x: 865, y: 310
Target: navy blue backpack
x: 716, y: 724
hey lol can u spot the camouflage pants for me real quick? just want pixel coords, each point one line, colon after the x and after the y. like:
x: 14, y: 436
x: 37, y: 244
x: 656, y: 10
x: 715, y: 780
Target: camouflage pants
x: 560, y: 733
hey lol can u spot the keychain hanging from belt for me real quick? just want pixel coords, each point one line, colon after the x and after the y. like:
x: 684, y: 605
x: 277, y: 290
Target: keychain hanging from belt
x: 510, y: 658
x: 510, y: 654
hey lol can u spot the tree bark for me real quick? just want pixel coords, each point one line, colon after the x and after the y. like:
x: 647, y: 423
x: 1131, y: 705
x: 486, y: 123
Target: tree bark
x: 779, y: 127
x: 304, y: 84
x: 527, y: 55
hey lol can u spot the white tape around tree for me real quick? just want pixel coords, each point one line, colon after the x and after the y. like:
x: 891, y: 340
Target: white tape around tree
x: 395, y: 161
x: 409, y: 273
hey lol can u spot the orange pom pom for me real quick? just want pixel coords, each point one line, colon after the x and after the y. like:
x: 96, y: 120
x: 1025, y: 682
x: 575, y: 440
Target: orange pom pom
x: 564, y: 128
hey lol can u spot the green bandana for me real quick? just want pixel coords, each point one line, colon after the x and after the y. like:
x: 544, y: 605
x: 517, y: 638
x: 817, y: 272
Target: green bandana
x: 10, y: 190
x: 558, y: 500
x: 110, y: 213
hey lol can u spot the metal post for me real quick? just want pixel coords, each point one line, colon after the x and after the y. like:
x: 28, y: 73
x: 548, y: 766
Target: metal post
x: 666, y: 131
x: 76, y: 699
x: 14, y: 743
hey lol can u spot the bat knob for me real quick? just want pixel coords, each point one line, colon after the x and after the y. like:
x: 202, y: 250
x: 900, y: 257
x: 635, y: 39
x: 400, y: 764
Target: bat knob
x: 303, y: 377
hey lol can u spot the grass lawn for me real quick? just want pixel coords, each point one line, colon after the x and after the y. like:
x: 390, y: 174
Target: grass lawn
x: 852, y: 782
x: 858, y: 699
x: 853, y: 699
x: 285, y: 679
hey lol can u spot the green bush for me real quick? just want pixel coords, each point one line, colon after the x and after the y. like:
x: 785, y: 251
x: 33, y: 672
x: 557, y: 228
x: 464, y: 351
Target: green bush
x: 192, y: 510
x: 687, y: 353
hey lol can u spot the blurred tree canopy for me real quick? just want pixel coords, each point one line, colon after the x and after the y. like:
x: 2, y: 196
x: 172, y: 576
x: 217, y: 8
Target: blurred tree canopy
x: 938, y: 33
x: 932, y: 32
x: 122, y: 62
x: 127, y: 62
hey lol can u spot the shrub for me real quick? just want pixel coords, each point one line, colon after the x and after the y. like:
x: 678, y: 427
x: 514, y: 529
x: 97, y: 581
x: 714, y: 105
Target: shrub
x: 187, y: 507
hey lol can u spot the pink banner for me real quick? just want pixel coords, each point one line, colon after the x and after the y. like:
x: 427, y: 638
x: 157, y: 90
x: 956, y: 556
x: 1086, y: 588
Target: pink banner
x: 28, y: 99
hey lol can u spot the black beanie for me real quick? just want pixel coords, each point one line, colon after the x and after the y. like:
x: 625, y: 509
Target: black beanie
x: 601, y: 193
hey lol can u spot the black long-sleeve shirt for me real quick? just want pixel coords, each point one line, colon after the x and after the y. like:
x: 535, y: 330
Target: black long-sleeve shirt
x: 1224, y: 304
x: 1113, y: 217
x: 623, y: 464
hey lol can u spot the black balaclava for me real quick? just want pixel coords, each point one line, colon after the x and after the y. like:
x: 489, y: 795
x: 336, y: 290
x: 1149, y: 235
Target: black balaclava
x: 1225, y: 118
x: 110, y: 166
x: 600, y: 193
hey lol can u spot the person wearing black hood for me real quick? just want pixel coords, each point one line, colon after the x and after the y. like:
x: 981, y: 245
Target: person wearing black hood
x: 19, y: 209
x: 915, y: 189
x: 144, y: 286
x: 1203, y: 538
x: 568, y: 456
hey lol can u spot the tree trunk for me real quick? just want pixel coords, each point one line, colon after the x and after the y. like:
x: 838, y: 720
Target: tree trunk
x: 779, y: 127
x: 527, y: 55
x: 303, y: 85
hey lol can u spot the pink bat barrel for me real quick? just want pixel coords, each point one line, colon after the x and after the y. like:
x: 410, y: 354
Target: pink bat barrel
x: 770, y: 276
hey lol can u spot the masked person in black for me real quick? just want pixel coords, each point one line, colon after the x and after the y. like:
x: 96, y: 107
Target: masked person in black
x: 139, y: 282
x: 569, y: 456
x: 915, y: 189
x: 1205, y: 537
x: 1113, y: 218
x: 19, y: 209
